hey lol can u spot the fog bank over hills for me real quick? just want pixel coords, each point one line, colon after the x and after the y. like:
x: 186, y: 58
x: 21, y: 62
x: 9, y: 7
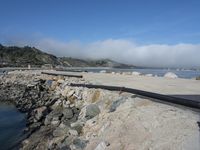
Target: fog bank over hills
x: 13, y: 56
x: 124, y: 51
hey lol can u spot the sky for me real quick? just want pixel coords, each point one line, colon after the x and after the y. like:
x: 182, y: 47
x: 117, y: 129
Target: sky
x: 154, y: 33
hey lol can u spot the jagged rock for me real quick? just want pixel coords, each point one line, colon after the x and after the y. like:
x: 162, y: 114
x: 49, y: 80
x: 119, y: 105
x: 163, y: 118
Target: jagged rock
x: 56, y: 104
x: 60, y: 131
x: 68, y: 113
x: 170, y: 75
x: 53, y: 117
x: 40, y: 112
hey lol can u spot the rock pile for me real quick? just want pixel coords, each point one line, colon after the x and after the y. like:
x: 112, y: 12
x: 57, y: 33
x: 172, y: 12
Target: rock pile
x: 56, y: 113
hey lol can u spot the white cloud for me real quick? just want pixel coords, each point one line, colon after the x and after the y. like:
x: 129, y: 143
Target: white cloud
x: 126, y: 51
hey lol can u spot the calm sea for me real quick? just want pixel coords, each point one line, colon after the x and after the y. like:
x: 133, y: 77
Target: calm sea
x: 12, y: 124
x: 159, y: 72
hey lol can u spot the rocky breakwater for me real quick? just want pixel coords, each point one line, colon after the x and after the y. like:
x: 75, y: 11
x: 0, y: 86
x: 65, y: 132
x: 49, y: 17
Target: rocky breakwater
x: 63, y: 117
x: 49, y: 114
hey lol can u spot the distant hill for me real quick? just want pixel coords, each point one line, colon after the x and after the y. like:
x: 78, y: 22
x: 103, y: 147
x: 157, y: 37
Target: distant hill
x: 74, y: 62
x: 22, y: 56
x: 13, y: 56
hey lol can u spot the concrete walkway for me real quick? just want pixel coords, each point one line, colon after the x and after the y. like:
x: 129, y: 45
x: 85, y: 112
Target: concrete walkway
x: 159, y: 85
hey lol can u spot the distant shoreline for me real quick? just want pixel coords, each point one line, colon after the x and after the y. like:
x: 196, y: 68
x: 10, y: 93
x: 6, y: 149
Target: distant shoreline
x: 187, y: 74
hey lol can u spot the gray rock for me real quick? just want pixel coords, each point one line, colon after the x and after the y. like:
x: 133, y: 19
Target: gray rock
x: 60, y: 131
x: 79, y: 144
x: 57, y: 113
x: 49, y: 83
x: 57, y: 104
x: 91, y: 111
x: 55, y: 121
x: 116, y: 104
x: 68, y: 113
x: 78, y: 126
x: 68, y: 140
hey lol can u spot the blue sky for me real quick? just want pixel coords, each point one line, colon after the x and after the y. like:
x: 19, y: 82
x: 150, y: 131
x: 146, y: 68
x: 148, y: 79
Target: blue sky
x: 145, y: 21
x: 147, y: 32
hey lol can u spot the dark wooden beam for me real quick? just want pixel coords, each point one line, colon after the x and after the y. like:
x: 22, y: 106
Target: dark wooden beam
x: 62, y: 74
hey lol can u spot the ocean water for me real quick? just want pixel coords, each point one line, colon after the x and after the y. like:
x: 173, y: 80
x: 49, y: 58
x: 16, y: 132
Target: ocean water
x: 12, y: 124
x: 188, y: 74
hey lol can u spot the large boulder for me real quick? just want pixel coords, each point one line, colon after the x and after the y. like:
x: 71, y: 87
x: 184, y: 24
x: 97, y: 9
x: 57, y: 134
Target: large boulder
x: 92, y: 110
x: 60, y: 131
x: 170, y: 75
